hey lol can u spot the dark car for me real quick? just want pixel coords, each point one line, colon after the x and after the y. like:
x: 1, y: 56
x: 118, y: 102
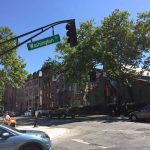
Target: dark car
x: 13, y: 139
x: 62, y: 112
x: 141, y: 114
x: 2, y: 113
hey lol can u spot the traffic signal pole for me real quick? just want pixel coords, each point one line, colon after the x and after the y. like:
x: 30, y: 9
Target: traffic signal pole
x: 41, y: 29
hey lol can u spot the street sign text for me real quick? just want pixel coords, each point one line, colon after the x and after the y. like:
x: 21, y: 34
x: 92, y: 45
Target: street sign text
x: 43, y: 42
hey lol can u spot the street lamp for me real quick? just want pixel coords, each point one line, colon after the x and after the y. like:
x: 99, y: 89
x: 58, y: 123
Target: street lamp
x: 40, y: 88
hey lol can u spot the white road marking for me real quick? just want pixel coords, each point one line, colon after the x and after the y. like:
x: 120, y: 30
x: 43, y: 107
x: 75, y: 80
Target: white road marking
x: 84, y: 142
x: 104, y: 147
x: 80, y: 141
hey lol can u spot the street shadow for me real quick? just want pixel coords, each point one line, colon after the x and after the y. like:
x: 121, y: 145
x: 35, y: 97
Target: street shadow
x: 25, y: 121
x: 143, y: 121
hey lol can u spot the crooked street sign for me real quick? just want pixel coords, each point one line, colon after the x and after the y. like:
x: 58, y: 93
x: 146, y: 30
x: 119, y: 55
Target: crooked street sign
x: 43, y: 42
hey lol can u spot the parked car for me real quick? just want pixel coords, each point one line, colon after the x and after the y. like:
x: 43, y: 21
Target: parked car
x: 28, y: 113
x: 61, y: 112
x: 2, y: 113
x: 42, y: 112
x: 143, y: 113
x: 13, y: 139
x: 54, y: 112
x: 70, y: 112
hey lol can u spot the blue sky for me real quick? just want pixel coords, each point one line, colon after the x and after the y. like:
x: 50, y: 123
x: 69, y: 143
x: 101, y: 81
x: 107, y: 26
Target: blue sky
x: 25, y: 15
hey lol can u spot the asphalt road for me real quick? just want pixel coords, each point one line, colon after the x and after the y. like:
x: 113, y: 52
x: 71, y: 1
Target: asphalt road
x: 96, y: 133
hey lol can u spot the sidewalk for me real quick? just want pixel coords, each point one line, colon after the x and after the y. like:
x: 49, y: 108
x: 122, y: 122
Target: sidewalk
x: 52, y: 132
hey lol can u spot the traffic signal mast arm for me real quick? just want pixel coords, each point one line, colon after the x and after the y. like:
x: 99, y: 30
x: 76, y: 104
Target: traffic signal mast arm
x: 41, y: 29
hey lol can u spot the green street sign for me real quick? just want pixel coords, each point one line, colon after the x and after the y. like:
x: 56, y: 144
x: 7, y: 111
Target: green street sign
x: 43, y: 42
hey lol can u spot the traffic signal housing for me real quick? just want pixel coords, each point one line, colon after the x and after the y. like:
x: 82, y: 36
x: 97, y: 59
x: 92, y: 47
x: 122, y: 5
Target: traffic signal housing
x: 71, y: 33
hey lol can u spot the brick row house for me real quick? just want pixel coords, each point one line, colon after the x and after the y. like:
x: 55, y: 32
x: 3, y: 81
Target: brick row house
x: 104, y: 92
x: 10, y: 99
x: 37, y: 92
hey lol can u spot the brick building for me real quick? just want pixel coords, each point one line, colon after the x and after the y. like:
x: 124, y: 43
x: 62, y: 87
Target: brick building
x: 37, y: 92
x: 10, y: 99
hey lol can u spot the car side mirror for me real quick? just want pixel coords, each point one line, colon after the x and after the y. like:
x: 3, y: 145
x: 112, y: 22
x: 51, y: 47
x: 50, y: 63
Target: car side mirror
x: 5, y: 135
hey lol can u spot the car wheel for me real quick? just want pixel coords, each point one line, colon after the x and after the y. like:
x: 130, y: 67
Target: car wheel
x: 133, y: 118
x: 31, y: 147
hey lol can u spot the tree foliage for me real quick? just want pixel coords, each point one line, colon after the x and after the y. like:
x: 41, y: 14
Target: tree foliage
x: 78, y: 60
x: 51, y: 67
x: 119, y: 47
x: 118, y: 43
x: 142, y: 31
x: 12, y: 71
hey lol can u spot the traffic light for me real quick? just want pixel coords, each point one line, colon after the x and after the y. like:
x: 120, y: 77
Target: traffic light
x: 71, y: 33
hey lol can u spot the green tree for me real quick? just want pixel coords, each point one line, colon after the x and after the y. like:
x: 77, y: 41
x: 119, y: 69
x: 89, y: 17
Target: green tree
x: 114, y: 44
x: 119, y: 48
x: 51, y: 67
x: 12, y: 71
x: 118, y: 43
x: 142, y: 30
x: 78, y: 61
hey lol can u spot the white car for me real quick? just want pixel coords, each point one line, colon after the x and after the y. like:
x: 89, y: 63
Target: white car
x: 28, y: 113
x: 42, y: 112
